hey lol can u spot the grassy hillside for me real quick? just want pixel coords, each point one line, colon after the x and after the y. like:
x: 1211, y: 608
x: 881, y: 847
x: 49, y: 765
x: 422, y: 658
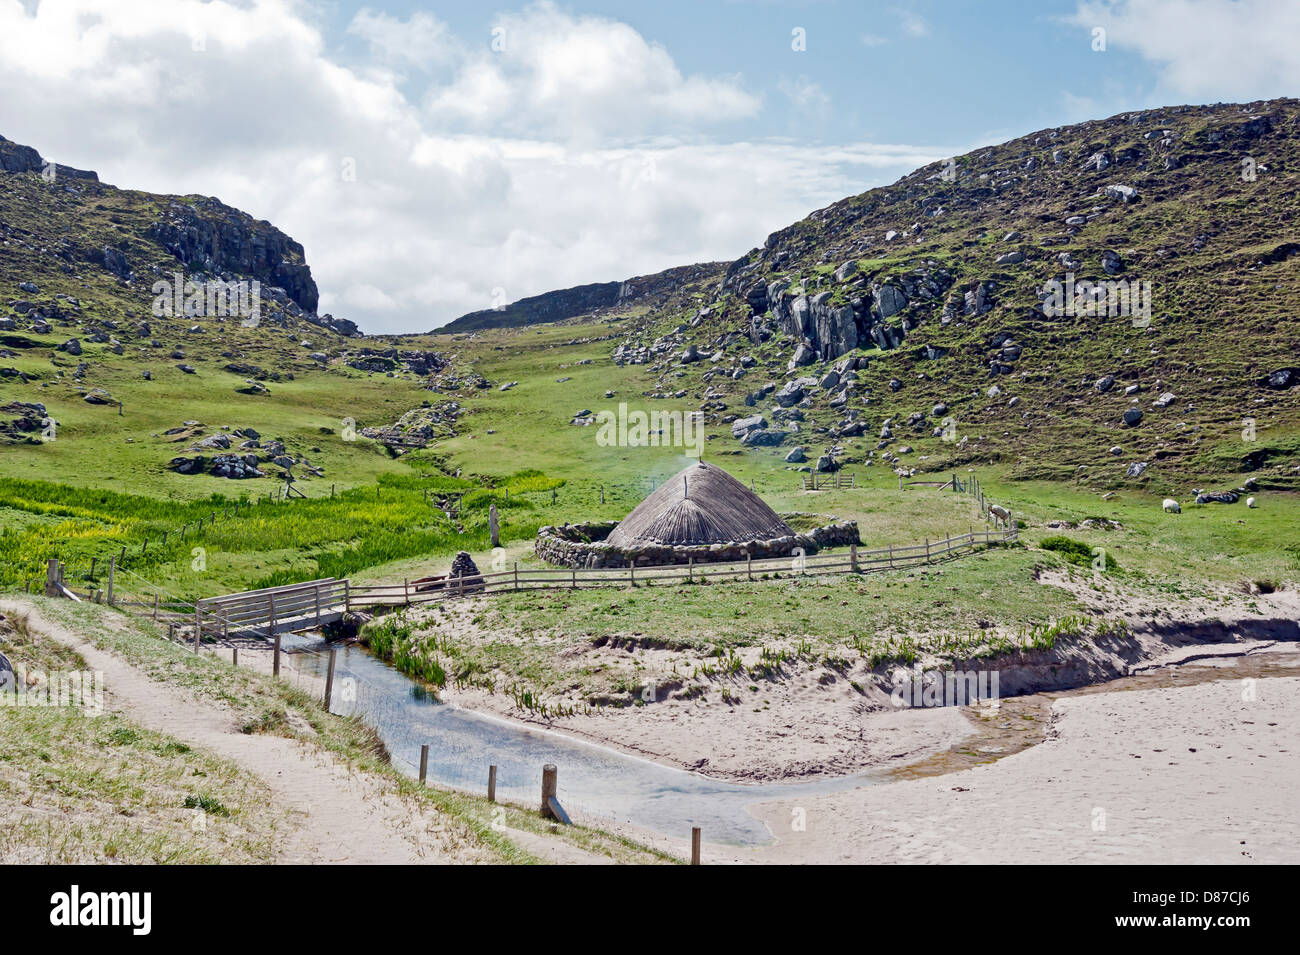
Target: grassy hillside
x: 1214, y: 246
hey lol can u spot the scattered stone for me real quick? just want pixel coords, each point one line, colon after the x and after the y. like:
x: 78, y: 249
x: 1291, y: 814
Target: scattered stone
x: 1216, y: 497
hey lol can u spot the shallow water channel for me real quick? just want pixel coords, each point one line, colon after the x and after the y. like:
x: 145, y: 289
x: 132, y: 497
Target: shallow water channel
x: 597, y: 781
x: 593, y: 780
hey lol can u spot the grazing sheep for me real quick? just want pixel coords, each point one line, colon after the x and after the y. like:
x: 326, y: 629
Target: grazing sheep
x: 1250, y: 502
x: 1000, y: 512
x: 1172, y: 506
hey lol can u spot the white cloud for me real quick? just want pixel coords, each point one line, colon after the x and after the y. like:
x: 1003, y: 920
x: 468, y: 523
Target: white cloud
x: 421, y: 41
x: 913, y: 24
x: 577, y: 155
x: 582, y: 77
x: 1218, y: 49
x: 872, y: 40
x: 805, y: 95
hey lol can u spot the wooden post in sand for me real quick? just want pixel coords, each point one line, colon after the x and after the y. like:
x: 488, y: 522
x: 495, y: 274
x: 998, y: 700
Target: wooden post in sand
x: 695, y: 845
x: 424, y: 762
x: 492, y: 784
x: 275, y: 659
x: 550, y: 788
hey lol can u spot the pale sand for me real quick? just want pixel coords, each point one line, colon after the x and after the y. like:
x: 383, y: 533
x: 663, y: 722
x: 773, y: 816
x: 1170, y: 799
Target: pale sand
x: 1176, y: 775
x: 814, y: 721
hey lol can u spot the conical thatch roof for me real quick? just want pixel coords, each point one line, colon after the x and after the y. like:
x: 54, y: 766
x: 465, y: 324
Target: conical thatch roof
x: 701, y: 505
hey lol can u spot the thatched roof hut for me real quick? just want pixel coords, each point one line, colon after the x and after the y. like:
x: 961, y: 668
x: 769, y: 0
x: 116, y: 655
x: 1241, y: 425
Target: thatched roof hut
x: 701, y: 505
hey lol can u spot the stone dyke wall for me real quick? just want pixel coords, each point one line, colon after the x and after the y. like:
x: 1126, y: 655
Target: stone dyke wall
x: 583, y: 546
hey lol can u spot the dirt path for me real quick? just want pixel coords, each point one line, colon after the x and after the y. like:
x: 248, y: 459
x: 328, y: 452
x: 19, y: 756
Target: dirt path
x: 339, y: 816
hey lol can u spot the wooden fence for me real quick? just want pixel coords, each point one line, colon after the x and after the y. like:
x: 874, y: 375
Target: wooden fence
x: 517, y: 579
x: 311, y: 604
x: 816, y: 481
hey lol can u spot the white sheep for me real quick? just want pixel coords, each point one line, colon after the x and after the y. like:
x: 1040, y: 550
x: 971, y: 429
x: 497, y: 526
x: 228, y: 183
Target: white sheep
x: 1250, y: 502
x: 1172, y: 506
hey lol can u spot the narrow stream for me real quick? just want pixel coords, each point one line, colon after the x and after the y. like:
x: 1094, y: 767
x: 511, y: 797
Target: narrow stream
x: 598, y: 781
x: 593, y: 780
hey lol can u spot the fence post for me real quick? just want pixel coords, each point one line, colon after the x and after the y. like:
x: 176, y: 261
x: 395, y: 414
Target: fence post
x: 550, y: 788
x: 492, y: 784
x: 52, y: 577
x: 155, y: 606
x: 690, y: 569
x: 198, y: 626
x: 631, y: 571
x: 891, y: 556
x: 749, y: 566
x: 329, y: 680
x: 112, y: 574
x: 318, y: 605
x: 853, y: 557
x: 927, y: 550
x: 275, y: 658
x: 92, y: 567
x: 695, y: 845
x: 516, y: 575
x: 424, y: 762
x: 406, y: 589
x: 574, y: 583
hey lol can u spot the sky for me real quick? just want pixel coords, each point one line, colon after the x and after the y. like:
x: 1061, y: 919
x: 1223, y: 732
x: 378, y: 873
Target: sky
x: 438, y: 158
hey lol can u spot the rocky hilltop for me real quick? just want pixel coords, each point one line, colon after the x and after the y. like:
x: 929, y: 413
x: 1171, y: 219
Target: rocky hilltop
x: 580, y: 300
x: 56, y: 221
x: 1108, y: 300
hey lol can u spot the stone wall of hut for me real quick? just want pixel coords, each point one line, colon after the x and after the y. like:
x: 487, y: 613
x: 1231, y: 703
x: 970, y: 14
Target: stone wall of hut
x: 583, y: 546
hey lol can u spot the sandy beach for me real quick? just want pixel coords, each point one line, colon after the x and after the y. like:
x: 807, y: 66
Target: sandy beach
x: 816, y: 721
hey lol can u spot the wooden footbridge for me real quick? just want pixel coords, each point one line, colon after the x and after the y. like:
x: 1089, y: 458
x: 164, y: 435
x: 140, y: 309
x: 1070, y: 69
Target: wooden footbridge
x: 273, y: 610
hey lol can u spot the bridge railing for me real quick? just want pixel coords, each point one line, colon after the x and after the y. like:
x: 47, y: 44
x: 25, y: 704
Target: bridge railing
x: 273, y: 610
